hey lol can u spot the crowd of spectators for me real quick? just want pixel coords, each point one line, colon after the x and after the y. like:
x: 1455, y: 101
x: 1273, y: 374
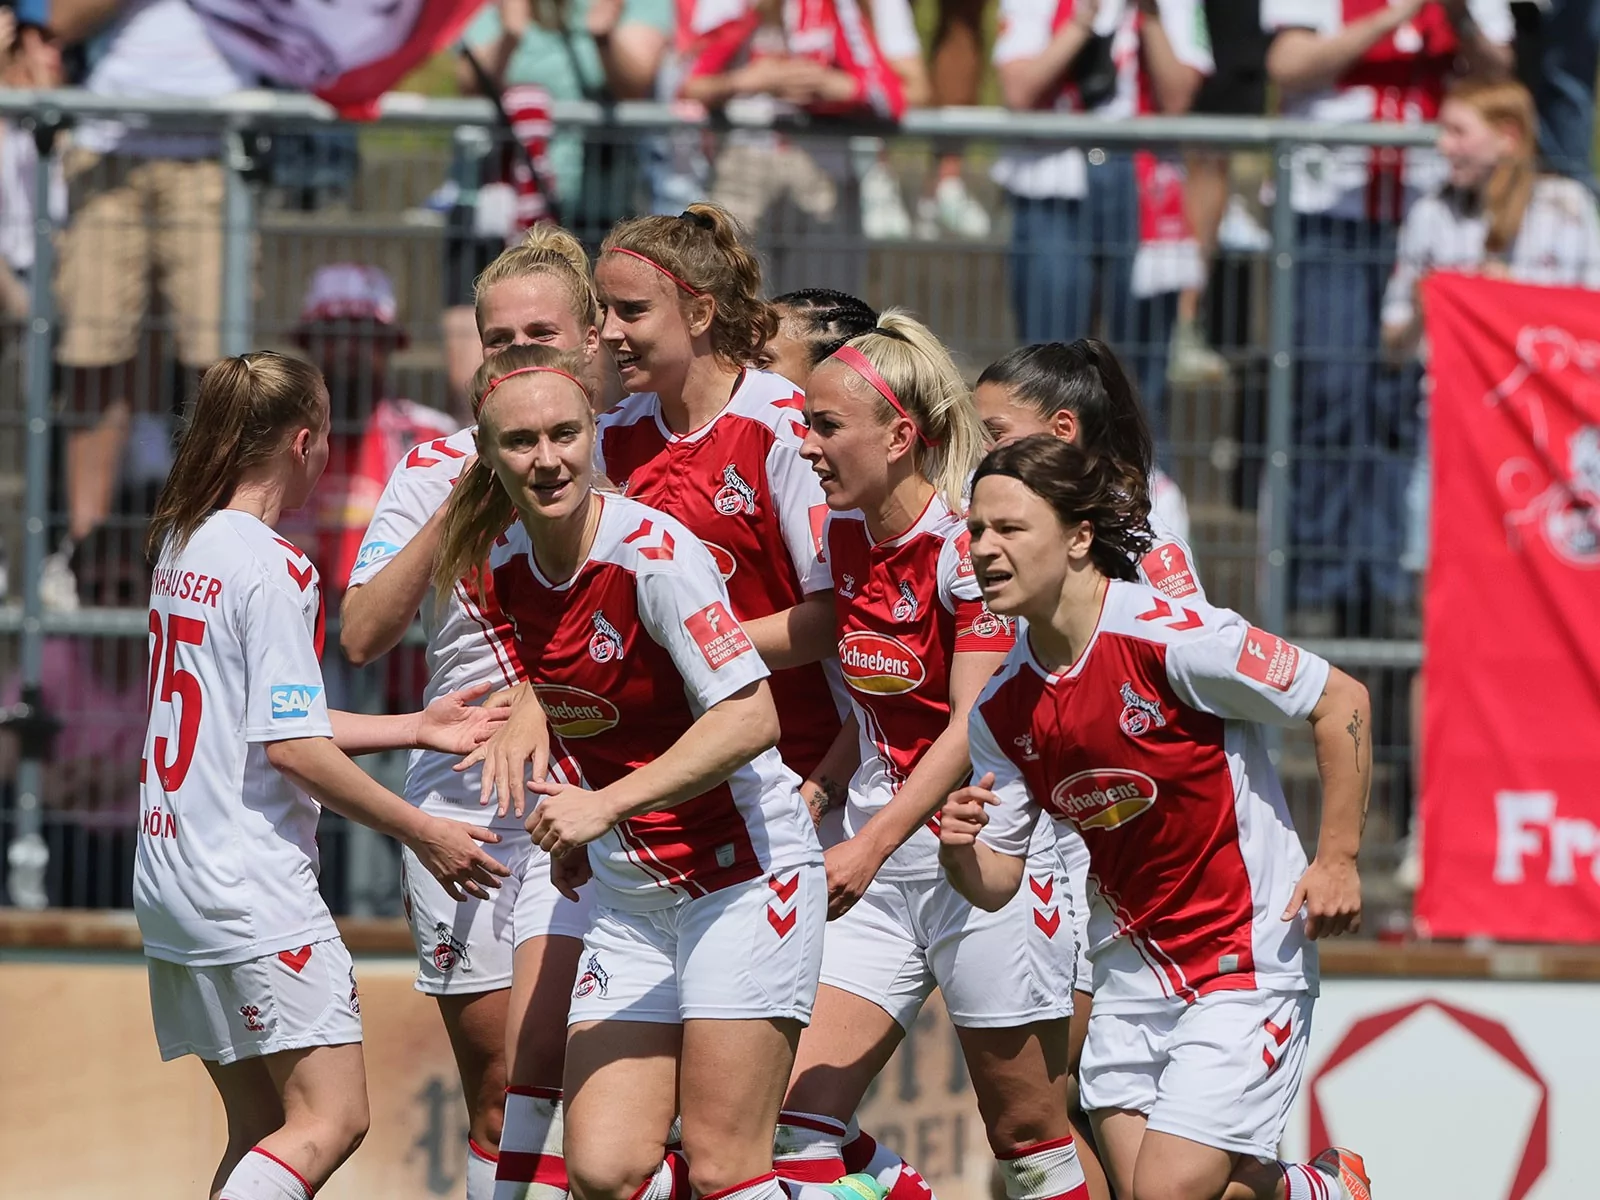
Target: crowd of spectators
x: 1115, y: 242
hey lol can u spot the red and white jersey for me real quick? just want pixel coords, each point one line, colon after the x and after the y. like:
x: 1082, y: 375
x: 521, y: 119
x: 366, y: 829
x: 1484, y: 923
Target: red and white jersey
x: 1400, y: 79
x: 833, y: 33
x: 226, y: 868
x: 625, y: 656
x: 1169, y: 565
x: 466, y: 630
x: 1027, y: 28
x: 905, y: 608
x: 1150, y: 746
x: 740, y: 484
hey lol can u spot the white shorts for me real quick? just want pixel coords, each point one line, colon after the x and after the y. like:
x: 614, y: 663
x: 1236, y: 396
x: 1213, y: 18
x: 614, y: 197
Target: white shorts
x: 1075, y: 862
x: 467, y: 947
x: 286, y: 1001
x: 1222, y: 1071
x: 748, y: 952
x: 995, y: 970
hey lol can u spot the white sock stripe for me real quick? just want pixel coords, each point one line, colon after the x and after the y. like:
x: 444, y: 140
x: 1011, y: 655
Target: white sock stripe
x: 261, y: 1176
x: 533, y: 1125
x: 1044, y: 1174
x: 803, y: 1136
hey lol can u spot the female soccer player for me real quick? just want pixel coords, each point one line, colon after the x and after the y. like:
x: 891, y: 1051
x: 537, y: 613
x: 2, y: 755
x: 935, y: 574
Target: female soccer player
x: 715, y: 443
x: 1079, y: 393
x: 812, y: 324
x: 1138, y: 721
x: 501, y: 969
x: 893, y: 436
x: 246, y: 967
x: 700, y: 965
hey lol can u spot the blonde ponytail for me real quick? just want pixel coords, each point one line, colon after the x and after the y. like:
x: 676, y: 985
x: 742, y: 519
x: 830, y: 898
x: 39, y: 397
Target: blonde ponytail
x: 922, y: 375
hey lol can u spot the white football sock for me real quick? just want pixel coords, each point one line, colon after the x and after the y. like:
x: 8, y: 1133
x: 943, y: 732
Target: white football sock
x: 864, y: 1154
x: 807, y: 1148
x: 481, y: 1165
x: 1302, y: 1181
x: 670, y: 1181
x: 762, y: 1187
x: 530, y: 1166
x: 261, y: 1176
x: 1044, y: 1171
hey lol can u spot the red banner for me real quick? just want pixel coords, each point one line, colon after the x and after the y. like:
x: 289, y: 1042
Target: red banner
x: 1511, y: 708
x: 347, y: 51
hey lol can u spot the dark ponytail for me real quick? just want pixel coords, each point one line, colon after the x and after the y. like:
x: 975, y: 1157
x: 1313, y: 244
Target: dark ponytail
x: 1086, y: 379
x: 245, y: 410
x: 828, y: 319
x: 1081, y: 487
x: 703, y: 252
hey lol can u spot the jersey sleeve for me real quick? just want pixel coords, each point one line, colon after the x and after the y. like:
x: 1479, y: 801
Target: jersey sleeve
x: 1012, y: 821
x: 977, y: 629
x: 1319, y: 16
x: 284, y: 695
x: 895, y: 28
x: 1494, y: 18
x: 684, y: 605
x: 1238, y: 672
x: 802, y: 511
x: 820, y: 577
x: 1169, y: 568
x: 409, y: 499
x: 1410, y: 261
x: 1024, y: 30
x: 1186, y: 28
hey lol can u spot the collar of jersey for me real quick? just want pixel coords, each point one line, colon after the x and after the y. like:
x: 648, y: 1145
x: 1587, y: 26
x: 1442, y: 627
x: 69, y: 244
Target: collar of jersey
x: 931, y: 512
x: 599, y: 530
x: 1075, y: 669
x: 694, y: 435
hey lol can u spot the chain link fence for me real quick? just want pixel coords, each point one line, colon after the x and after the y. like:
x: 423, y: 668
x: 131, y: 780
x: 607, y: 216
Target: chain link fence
x: 1292, y: 439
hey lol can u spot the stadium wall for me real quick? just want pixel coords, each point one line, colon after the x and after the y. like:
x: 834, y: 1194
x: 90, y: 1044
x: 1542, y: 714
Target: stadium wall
x: 1417, y: 1055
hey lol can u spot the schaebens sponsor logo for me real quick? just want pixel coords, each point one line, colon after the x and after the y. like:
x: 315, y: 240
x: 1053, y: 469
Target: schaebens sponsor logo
x: 878, y: 664
x: 575, y: 713
x: 375, y: 552
x: 292, y: 700
x: 1104, y: 798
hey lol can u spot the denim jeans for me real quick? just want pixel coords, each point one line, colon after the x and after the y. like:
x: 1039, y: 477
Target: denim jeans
x: 1072, y: 259
x: 1355, y: 421
x: 1570, y: 58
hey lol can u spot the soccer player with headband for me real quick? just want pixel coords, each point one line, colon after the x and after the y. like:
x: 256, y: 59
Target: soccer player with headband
x: 893, y: 437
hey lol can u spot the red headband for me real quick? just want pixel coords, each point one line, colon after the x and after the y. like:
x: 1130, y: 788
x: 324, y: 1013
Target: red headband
x: 499, y: 379
x: 857, y: 362
x: 645, y: 258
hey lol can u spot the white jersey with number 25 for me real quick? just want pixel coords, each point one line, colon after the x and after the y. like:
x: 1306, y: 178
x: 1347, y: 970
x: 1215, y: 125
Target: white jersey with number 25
x: 227, y: 861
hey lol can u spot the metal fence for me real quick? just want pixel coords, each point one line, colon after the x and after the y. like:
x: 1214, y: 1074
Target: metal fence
x: 1292, y: 458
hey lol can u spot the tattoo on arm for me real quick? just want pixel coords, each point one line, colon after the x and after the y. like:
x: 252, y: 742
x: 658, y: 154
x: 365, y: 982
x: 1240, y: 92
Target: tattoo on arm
x: 823, y: 796
x: 1354, y: 730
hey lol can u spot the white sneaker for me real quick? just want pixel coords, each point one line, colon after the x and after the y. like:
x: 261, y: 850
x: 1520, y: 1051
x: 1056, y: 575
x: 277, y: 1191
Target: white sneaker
x: 1240, y: 231
x: 58, y: 586
x: 1191, y: 362
x: 883, y: 212
x: 952, y: 209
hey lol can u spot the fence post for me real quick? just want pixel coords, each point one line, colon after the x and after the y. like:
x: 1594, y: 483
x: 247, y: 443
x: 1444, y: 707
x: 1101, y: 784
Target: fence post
x: 1277, y: 480
x: 28, y: 855
x: 238, y: 241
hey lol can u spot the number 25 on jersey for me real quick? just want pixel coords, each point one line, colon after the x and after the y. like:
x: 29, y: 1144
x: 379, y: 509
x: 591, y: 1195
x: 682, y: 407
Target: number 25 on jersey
x: 171, y: 684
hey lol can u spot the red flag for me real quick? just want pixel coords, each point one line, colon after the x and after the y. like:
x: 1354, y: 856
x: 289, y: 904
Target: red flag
x: 349, y: 52
x: 1511, y: 712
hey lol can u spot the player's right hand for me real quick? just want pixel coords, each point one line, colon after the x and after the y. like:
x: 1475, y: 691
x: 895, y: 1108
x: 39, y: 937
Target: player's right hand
x: 964, y: 813
x: 450, y: 852
x: 569, y: 872
x: 519, y: 750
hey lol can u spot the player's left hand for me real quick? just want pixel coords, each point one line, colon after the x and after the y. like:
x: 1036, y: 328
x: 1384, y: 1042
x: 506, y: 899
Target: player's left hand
x: 851, y: 866
x: 1330, y: 892
x: 567, y: 817
x: 456, y: 723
